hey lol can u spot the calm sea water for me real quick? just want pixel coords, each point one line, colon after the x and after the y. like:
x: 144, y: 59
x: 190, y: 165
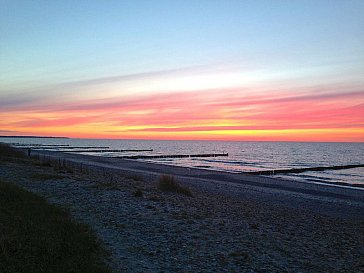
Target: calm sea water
x: 243, y: 156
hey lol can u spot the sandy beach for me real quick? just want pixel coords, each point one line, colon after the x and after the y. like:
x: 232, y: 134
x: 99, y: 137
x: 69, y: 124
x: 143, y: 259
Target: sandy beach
x: 232, y: 223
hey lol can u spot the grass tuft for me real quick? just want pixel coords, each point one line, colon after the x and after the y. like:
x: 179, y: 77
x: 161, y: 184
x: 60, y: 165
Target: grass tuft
x: 168, y: 183
x: 38, y: 237
x: 134, y: 177
x: 138, y: 193
x: 107, y: 186
x: 45, y: 176
x: 240, y: 255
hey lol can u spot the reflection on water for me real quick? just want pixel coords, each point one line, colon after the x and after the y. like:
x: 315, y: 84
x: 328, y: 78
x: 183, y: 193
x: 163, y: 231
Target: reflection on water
x: 243, y: 156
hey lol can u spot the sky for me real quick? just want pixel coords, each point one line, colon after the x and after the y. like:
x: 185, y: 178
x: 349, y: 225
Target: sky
x: 196, y: 70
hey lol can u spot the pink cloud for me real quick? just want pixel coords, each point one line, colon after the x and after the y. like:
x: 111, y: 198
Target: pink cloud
x: 207, y: 110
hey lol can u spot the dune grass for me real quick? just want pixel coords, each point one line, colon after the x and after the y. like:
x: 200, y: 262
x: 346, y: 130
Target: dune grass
x: 168, y: 183
x: 38, y: 237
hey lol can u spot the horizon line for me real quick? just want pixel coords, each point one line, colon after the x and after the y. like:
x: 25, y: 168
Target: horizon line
x: 212, y: 140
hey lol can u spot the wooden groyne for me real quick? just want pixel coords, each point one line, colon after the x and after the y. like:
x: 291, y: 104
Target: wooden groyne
x: 301, y: 170
x: 38, y: 145
x: 172, y: 156
x: 41, y: 137
x: 66, y: 147
x: 107, y: 151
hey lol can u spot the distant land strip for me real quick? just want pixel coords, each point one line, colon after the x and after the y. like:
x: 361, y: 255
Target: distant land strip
x: 17, y: 145
x: 301, y: 170
x: 34, y: 137
x: 171, y: 156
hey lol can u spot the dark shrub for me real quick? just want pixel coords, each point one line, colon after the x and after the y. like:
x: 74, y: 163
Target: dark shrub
x: 8, y: 151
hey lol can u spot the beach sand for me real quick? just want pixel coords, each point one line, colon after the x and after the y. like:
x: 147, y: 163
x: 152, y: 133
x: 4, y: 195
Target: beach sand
x: 233, y: 223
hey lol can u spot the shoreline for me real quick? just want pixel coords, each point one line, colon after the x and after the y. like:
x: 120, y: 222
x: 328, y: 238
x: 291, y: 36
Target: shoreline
x: 323, y: 198
x: 261, y: 159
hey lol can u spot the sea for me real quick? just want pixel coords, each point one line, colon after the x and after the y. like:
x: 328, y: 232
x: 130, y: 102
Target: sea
x: 246, y: 156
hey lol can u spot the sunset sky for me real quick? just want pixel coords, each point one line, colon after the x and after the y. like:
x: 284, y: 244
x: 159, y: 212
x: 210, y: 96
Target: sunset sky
x: 214, y: 70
